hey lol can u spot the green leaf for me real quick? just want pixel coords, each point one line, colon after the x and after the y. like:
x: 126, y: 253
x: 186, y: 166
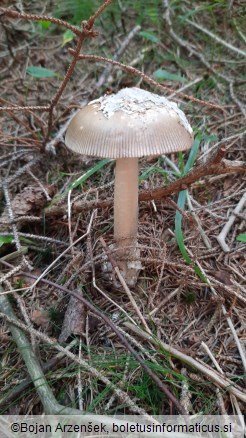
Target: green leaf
x: 40, y: 72
x: 44, y: 24
x: 6, y: 239
x: 161, y: 75
x: 67, y: 37
x: 10, y: 239
x: 241, y: 238
x: 149, y: 36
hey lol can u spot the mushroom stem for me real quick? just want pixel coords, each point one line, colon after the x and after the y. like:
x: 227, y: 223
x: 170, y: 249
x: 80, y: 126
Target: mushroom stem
x: 126, y: 207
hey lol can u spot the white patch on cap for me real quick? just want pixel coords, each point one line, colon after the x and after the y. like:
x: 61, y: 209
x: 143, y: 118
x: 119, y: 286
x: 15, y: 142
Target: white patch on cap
x: 136, y: 100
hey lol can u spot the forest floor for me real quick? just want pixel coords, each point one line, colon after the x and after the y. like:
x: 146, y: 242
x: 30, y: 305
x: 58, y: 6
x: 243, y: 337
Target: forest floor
x: 176, y: 341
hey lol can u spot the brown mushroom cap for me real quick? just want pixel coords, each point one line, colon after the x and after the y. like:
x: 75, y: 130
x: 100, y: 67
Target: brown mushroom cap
x: 130, y: 123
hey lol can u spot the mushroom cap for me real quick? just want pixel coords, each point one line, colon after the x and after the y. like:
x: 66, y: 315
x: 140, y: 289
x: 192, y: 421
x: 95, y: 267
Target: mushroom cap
x: 130, y: 123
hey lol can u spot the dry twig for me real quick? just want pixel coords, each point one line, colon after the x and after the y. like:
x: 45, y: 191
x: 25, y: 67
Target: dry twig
x: 146, y: 78
x: 216, y: 165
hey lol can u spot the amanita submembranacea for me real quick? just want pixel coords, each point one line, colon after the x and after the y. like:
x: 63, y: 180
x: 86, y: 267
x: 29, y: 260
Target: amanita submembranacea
x: 127, y: 125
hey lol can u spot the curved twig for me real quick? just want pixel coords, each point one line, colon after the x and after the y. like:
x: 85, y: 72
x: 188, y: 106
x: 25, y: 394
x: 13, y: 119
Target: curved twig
x: 146, y: 78
x: 216, y: 165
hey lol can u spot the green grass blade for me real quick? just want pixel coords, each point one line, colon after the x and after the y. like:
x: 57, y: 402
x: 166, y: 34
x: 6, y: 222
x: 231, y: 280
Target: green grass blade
x: 181, y: 204
x: 82, y: 179
x: 178, y: 226
x: 89, y: 173
x: 193, y: 154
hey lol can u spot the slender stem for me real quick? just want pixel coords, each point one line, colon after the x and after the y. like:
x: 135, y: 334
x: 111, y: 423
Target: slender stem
x: 126, y: 205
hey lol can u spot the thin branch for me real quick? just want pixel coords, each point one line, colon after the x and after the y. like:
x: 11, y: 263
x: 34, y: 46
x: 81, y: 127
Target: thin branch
x: 24, y: 108
x: 32, y: 17
x: 87, y: 32
x: 146, y: 78
x: 63, y: 85
x: 216, y: 165
x: 91, y: 21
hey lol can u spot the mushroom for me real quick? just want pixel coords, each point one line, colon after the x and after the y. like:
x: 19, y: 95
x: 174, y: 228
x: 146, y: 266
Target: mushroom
x: 127, y: 125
